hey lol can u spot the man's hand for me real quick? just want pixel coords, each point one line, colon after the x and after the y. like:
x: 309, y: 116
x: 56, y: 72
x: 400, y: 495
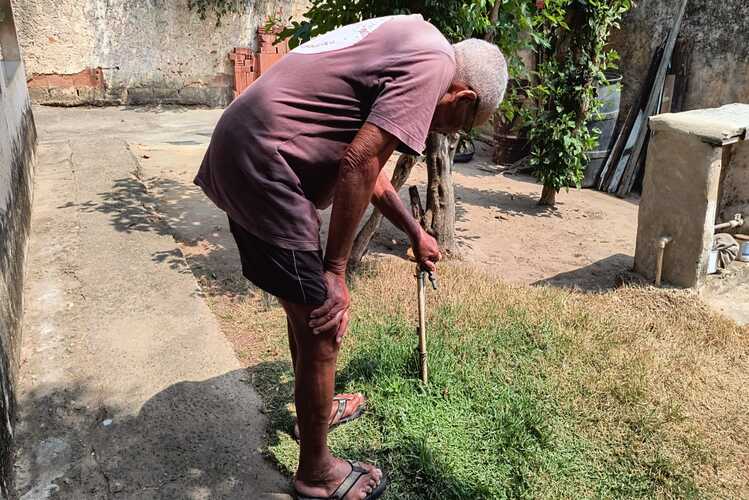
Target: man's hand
x: 357, y: 174
x: 333, y: 314
x: 426, y: 251
x: 386, y: 199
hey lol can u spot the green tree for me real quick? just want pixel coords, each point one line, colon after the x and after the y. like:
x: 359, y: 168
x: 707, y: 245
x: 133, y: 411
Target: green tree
x: 571, y: 38
x: 503, y: 21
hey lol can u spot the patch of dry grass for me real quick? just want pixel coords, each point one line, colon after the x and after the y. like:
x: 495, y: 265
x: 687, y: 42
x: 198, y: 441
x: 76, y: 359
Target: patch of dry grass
x: 646, y: 391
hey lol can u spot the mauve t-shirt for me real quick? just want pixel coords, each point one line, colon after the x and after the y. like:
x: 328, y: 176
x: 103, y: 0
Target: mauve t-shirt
x: 274, y: 155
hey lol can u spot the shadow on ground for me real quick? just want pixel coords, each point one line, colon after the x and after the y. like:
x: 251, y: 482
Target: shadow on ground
x: 135, y: 204
x: 188, y: 441
x: 508, y: 204
x: 603, y: 275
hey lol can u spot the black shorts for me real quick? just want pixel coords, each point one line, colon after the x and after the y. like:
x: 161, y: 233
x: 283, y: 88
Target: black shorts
x: 295, y: 276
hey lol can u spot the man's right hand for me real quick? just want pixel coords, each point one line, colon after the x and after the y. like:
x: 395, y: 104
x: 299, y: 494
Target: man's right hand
x: 426, y: 251
x: 333, y: 314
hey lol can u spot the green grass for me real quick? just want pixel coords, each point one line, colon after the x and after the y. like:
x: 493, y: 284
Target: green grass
x: 533, y: 394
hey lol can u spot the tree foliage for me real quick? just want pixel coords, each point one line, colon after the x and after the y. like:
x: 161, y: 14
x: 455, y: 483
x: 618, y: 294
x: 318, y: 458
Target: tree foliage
x: 457, y: 20
x: 571, y: 38
x: 218, y: 8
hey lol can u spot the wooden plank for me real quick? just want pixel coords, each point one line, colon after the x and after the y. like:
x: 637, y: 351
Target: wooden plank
x: 627, y: 153
x: 417, y: 209
x: 681, y: 67
x: 613, y: 161
x: 616, y: 151
x: 668, y: 93
x: 631, y: 171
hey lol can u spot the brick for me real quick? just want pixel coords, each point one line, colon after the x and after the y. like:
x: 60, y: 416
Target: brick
x: 265, y: 61
x: 88, y: 78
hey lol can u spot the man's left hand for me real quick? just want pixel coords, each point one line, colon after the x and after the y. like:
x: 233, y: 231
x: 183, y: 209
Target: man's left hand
x: 333, y: 314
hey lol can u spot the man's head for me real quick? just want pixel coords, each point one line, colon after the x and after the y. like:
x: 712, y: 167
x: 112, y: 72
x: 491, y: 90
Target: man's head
x: 477, y: 89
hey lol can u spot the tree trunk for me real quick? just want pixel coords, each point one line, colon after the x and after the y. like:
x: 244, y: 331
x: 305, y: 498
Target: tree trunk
x: 548, y: 197
x: 493, y: 18
x: 439, y: 220
x: 361, y: 243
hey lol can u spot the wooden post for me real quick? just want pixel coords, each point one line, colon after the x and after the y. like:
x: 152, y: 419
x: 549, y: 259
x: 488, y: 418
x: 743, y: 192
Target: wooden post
x: 417, y: 210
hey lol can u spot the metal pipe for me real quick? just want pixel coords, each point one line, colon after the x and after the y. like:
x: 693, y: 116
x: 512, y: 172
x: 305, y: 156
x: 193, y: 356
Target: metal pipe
x: 661, y: 244
x: 421, y: 291
x: 737, y: 221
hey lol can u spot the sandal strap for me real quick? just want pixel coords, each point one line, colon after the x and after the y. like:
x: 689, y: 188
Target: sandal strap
x: 357, y: 471
x: 340, y: 411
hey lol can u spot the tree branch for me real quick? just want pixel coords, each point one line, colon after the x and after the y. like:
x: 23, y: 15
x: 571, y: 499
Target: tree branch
x: 493, y: 18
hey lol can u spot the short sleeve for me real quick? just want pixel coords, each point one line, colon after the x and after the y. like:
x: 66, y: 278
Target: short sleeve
x: 408, y: 94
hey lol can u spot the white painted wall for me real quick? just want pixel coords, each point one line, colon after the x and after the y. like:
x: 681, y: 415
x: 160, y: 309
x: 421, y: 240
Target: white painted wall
x: 14, y: 102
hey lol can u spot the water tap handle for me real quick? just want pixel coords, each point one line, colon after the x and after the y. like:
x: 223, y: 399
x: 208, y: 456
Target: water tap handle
x: 432, y: 279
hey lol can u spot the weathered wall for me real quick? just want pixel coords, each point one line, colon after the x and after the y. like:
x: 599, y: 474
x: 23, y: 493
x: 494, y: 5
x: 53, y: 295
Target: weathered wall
x: 17, y: 140
x: 148, y: 50
x: 719, y: 34
x: 734, y: 197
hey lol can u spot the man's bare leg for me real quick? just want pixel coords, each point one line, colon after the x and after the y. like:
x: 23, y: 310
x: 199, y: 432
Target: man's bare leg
x: 319, y: 473
x: 354, y: 400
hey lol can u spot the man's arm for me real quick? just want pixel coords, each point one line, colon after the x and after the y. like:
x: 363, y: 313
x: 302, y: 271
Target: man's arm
x: 357, y: 175
x: 387, y: 201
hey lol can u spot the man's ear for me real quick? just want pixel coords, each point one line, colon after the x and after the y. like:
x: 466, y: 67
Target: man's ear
x: 466, y: 95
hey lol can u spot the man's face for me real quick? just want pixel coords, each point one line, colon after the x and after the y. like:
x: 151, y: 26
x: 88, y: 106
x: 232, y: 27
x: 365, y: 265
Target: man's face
x: 456, y: 111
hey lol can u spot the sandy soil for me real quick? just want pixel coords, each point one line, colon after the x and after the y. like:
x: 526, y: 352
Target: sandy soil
x: 585, y: 242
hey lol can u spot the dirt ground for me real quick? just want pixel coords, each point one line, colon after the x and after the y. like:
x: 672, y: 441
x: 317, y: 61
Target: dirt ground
x: 585, y: 242
x: 116, y: 183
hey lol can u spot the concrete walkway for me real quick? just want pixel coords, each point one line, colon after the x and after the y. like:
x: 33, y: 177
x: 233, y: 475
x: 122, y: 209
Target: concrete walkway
x: 128, y: 389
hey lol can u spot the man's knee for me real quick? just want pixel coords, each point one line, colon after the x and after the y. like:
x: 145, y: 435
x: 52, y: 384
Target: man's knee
x: 320, y: 347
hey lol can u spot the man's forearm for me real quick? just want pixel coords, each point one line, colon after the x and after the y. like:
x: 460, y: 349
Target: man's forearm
x: 352, y: 194
x: 357, y: 176
x: 387, y: 201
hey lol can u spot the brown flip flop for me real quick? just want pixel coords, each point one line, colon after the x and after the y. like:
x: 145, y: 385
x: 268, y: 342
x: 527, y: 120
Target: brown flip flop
x: 357, y: 471
x: 342, y: 404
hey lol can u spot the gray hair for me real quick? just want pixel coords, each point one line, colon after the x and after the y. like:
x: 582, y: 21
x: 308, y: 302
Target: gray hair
x: 481, y: 66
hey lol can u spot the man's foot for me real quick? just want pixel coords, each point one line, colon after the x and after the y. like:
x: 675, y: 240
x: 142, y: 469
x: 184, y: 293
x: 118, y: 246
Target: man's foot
x: 346, y: 407
x: 345, y: 480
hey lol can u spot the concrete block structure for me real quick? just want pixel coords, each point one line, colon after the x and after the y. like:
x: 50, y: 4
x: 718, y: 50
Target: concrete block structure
x: 697, y: 175
x: 17, y: 142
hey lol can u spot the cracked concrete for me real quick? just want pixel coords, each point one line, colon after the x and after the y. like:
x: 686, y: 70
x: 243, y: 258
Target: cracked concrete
x: 128, y: 389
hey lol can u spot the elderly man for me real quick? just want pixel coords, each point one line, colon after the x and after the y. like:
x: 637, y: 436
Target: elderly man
x: 317, y: 129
